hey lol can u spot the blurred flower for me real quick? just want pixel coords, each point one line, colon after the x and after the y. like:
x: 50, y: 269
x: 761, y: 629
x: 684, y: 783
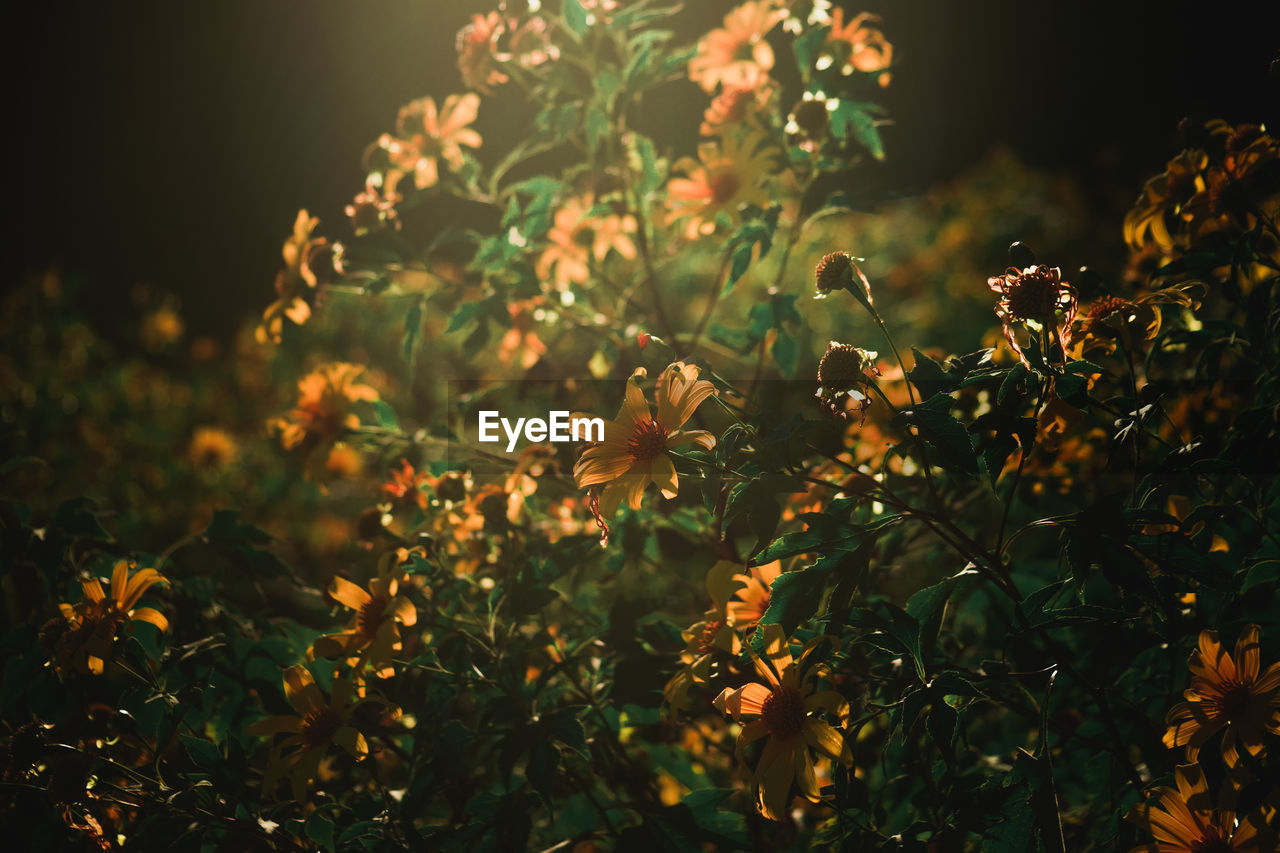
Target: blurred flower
x: 305, y: 259
x: 580, y: 234
x: 427, y: 137
x: 751, y: 599
x: 477, y: 49
x: 373, y: 636
x: 161, y: 328
x: 733, y: 106
x: 1227, y: 694
x: 371, y: 209
x: 857, y: 46
x: 324, y: 404
x: 344, y: 462
x: 406, y: 485
x: 809, y: 122
x: 212, y: 448
x: 737, y: 55
x: 318, y: 725
x: 1183, y: 819
x: 725, y: 177
x: 1036, y: 294
x: 706, y: 640
x: 784, y: 709
x: 634, y: 450
x: 92, y: 624
x: 1159, y: 206
x: 521, y: 344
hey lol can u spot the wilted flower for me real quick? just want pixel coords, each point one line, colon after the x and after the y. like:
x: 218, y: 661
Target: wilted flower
x: 1227, y: 694
x: 1036, y: 294
x: 92, y: 624
x: 304, y: 271
x: 737, y: 55
x: 634, y: 451
x: 842, y: 369
x: 785, y: 708
x: 1184, y: 819
x: 318, y: 725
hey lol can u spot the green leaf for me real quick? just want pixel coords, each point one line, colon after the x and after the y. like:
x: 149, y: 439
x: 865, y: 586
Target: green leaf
x: 851, y: 118
x: 794, y: 598
x: 944, y: 433
x: 575, y: 17
x: 319, y: 828
x: 203, y: 754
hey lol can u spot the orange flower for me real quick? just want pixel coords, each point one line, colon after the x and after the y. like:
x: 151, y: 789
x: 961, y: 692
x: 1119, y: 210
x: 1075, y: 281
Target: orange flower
x: 784, y: 708
x: 521, y: 344
x: 737, y: 55
x: 308, y: 264
x: 317, y: 725
x: 1227, y: 694
x: 1158, y: 209
x: 1183, y: 820
x: 706, y: 640
x: 857, y: 46
x: 633, y: 453
x: 406, y: 485
x: 373, y: 635
x: 751, y: 600
x: 477, y: 52
x: 93, y: 623
x: 428, y: 136
x: 212, y: 448
x: 578, y: 236
x: 733, y: 106
x: 324, y: 411
x: 725, y: 177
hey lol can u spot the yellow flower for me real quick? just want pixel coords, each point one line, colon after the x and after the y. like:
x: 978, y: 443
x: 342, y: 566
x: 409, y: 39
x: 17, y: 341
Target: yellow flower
x: 324, y: 411
x: 737, y: 55
x: 317, y: 725
x: 1227, y: 694
x: 633, y: 453
x: 784, y: 708
x: 212, y: 448
x: 373, y: 635
x: 705, y: 640
x: 308, y: 264
x: 427, y: 136
x: 92, y: 624
x: 1184, y: 820
x: 751, y: 599
x: 726, y: 176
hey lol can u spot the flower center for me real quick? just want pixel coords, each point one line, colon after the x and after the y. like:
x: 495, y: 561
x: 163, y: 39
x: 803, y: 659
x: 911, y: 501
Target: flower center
x: 318, y: 727
x: 647, y: 441
x: 841, y: 367
x: 371, y: 616
x: 1235, y: 700
x: 783, y: 712
x: 724, y: 185
x: 1033, y: 296
x: 1212, y: 844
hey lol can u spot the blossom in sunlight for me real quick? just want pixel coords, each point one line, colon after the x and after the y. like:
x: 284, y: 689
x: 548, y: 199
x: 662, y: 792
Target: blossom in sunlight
x: 1184, y: 819
x: 783, y: 708
x: 317, y: 725
x: 323, y: 411
x: 723, y: 178
x: 1036, y: 294
x: 857, y: 46
x: 737, y: 54
x: 751, y: 599
x: 427, y: 137
x: 1158, y: 209
x: 406, y: 484
x: 372, y: 638
x: 579, y: 235
x: 633, y: 453
x: 212, y: 448
x: 1229, y: 694
x: 842, y: 373
x: 86, y: 641
x: 308, y: 266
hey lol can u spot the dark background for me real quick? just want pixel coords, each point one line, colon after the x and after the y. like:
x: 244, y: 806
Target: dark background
x: 172, y: 143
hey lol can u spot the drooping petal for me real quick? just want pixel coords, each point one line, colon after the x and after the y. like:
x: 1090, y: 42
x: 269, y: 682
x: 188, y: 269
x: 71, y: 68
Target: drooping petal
x: 301, y: 690
x: 351, y: 741
x: 664, y: 475
x: 827, y: 740
x: 403, y: 610
x: 120, y: 582
x: 1247, y: 656
x: 150, y: 614
x: 348, y: 593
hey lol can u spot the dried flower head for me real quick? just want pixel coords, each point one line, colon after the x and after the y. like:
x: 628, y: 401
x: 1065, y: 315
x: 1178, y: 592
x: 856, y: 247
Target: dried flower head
x: 841, y: 371
x: 1036, y: 294
x: 834, y: 272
